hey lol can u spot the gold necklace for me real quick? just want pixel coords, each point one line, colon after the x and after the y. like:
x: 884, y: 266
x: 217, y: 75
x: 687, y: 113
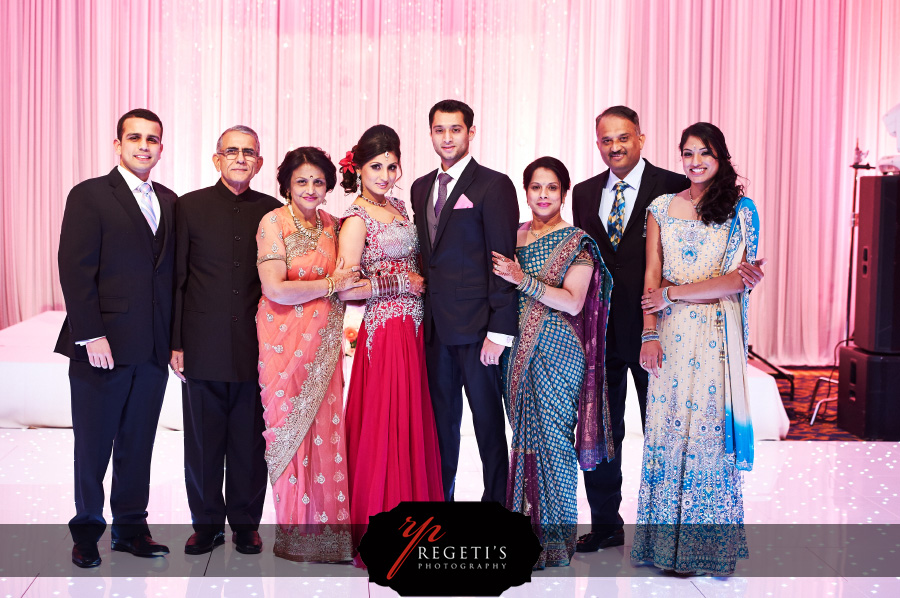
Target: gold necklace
x: 543, y: 232
x: 696, y: 206
x: 303, y: 229
x: 373, y: 202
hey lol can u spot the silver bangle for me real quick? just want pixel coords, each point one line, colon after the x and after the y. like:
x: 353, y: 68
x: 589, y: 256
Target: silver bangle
x: 665, y: 296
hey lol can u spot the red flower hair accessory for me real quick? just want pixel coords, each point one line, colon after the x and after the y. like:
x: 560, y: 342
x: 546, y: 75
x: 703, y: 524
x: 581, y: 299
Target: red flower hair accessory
x: 347, y: 163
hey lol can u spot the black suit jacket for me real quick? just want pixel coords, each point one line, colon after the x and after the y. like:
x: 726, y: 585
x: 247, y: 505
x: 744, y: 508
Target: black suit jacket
x: 464, y: 300
x: 111, y: 282
x: 217, y: 286
x: 628, y: 262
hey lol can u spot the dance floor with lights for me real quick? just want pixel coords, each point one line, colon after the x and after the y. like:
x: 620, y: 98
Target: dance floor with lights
x: 792, y: 483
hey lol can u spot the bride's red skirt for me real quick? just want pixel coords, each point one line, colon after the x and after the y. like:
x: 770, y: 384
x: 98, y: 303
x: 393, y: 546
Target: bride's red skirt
x: 392, y: 444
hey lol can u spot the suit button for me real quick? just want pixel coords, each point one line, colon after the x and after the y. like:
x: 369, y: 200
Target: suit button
x: 234, y: 318
x: 237, y: 238
x: 237, y: 264
x: 235, y: 291
x: 237, y: 209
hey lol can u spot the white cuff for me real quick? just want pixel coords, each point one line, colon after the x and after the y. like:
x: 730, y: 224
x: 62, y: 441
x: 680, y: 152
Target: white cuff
x: 90, y: 340
x: 501, y: 339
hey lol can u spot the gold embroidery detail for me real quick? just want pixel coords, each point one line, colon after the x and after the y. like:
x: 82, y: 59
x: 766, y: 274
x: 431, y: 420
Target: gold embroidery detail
x: 289, y: 435
x: 297, y: 244
x: 324, y: 544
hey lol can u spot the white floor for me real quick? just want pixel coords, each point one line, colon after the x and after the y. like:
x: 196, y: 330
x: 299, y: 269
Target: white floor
x: 793, y: 482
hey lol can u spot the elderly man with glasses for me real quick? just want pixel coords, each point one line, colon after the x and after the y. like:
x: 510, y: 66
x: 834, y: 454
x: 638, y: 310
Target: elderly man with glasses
x: 214, y: 347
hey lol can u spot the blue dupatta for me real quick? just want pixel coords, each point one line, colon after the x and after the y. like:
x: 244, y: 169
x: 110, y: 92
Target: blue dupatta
x: 743, y: 237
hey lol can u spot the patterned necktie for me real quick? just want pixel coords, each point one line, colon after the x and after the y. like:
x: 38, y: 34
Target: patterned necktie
x: 615, y: 224
x: 147, y: 206
x: 443, y: 179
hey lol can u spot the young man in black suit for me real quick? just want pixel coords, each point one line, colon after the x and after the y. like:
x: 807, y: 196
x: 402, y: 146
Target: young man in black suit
x: 463, y: 212
x: 611, y: 208
x: 215, y: 348
x: 116, y: 257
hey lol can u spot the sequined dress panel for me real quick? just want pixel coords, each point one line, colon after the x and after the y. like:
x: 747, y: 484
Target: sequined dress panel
x: 392, y: 446
x: 690, y: 505
x: 391, y: 248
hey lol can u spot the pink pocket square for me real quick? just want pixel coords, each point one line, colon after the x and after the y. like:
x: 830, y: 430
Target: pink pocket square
x: 463, y: 202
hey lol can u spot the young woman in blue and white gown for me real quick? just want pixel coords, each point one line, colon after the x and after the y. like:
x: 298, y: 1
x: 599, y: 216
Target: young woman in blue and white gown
x: 701, y: 252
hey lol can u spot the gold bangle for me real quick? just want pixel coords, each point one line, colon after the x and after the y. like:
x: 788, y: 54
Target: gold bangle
x: 330, y: 282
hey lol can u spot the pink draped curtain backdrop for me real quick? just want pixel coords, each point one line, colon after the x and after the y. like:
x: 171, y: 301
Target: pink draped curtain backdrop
x: 792, y: 83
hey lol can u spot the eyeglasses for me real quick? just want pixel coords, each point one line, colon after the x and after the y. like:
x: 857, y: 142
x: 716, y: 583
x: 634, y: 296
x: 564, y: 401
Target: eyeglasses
x: 231, y: 153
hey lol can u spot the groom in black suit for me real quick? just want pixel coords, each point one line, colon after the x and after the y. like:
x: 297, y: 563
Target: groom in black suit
x: 611, y: 207
x: 116, y: 258
x: 463, y: 212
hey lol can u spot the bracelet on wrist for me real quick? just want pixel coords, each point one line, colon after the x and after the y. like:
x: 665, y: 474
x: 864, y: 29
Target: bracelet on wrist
x: 665, y: 296
x: 532, y: 287
x: 648, y: 336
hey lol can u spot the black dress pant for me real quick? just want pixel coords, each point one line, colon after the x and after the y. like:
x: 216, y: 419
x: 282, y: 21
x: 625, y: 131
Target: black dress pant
x: 450, y: 369
x: 223, y: 441
x: 603, y: 486
x: 114, y: 413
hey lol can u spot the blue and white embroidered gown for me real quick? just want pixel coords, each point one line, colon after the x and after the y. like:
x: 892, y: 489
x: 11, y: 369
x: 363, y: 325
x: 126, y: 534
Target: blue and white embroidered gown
x: 690, y: 509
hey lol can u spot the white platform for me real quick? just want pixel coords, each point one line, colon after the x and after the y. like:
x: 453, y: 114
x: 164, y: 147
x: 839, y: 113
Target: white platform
x: 34, y: 385
x: 34, y: 381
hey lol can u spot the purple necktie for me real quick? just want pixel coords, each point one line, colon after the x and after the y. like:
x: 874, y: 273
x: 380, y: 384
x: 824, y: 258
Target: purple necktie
x: 443, y: 180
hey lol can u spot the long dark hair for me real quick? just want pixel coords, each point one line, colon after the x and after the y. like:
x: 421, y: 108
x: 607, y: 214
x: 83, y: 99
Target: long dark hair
x: 376, y: 140
x: 721, y: 196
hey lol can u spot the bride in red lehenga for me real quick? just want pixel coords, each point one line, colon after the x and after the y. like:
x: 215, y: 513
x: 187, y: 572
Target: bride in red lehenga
x: 392, y: 447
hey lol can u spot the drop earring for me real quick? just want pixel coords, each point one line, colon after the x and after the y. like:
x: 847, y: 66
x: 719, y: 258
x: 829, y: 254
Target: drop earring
x: 358, y: 183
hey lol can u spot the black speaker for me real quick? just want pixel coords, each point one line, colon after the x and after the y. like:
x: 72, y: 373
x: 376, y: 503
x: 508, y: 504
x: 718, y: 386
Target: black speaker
x: 869, y: 394
x: 878, y: 265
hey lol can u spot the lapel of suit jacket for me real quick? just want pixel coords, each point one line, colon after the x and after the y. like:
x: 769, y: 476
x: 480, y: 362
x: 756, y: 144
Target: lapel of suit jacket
x: 420, y: 207
x: 644, y: 197
x: 465, y: 179
x: 595, y: 196
x: 125, y: 197
x: 167, y: 207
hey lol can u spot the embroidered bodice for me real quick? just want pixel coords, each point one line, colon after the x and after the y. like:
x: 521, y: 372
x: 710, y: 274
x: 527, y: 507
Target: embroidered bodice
x: 692, y: 250
x: 391, y: 248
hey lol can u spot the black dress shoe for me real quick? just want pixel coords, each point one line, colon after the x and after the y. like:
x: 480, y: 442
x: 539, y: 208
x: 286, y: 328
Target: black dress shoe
x: 247, y: 542
x: 593, y: 541
x: 142, y: 545
x: 203, y: 542
x: 86, y: 555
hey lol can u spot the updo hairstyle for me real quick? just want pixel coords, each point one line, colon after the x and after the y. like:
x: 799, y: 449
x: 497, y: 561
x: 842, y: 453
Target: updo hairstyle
x: 375, y: 141
x: 553, y: 165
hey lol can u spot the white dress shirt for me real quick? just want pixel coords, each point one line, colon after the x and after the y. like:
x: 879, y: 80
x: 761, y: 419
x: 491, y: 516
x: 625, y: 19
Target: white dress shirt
x: 608, y: 195
x: 456, y: 171
x: 134, y: 183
